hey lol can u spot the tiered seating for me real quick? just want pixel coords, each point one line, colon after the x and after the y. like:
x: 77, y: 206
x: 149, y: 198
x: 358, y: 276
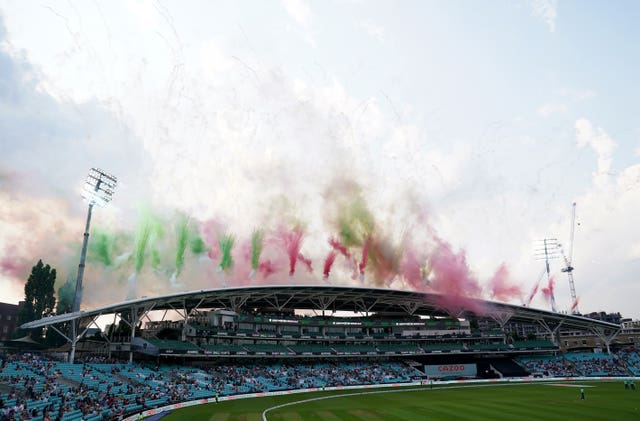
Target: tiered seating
x: 354, y: 349
x: 175, y: 345
x: 488, y: 347
x: 534, y: 345
x: 267, y: 349
x: 441, y: 347
x: 553, y: 366
x: 596, y: 364
x: 310, y: 349
x: 399, y: 348
x: 224, y: 349
x: 632, y: 361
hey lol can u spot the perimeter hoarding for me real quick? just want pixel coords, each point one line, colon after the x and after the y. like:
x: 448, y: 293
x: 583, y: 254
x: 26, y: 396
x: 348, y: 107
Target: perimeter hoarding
x: 450, y: 370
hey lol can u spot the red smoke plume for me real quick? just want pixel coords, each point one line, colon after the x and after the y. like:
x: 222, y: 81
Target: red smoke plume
x: 328, y: 262
x: 501, y: 288
x: 452, y: 279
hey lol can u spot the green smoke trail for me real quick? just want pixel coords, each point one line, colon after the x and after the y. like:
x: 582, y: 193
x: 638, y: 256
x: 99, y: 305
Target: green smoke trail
x: 182, y: 237
x: 197, y: 245
x: 226, y: 242
x: 101, y: 248
x: 140, y: 246
x: 355, y: 222
x: 66, y: 294
x: 149, y: 231
x: 256, y: 248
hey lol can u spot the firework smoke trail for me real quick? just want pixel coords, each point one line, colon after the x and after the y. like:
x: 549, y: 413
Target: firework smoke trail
x: 453, y: 279
x: 547, y: 292
x: 535, y: 288
x: 149, y: 230
x: 256, y: 249
x: 340, y: 248
x: 306, y: 262
x: 411, y: 269
x: 328, y: 262
x: 226, y: 242
x: 501, y: 289
x: 365, y: 257
x: 291, y: 242
x: 100, y: 248
x: 356, y: 223
x: 574, y: 306
x: 532, y: 294
x: 384, y: 261
x: 139, y: 250
x: 12, y: 266
x: 425, y: 271
x: 208, y: 230
x: 267, y: 268
x: 197, y: 244
x: 182, y: 238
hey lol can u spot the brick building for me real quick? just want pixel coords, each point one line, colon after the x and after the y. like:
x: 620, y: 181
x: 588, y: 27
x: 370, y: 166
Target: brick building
x: 8, y: 319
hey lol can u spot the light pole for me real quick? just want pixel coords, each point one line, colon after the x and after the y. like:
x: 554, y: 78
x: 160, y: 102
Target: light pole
x: 98, y: 190
x: 548, y: 249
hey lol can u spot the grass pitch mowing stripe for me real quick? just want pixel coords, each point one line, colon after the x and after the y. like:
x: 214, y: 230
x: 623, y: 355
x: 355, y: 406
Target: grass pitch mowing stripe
x: 604, y: 401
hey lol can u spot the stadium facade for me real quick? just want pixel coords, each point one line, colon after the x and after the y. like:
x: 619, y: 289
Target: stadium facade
x: 329, y: 322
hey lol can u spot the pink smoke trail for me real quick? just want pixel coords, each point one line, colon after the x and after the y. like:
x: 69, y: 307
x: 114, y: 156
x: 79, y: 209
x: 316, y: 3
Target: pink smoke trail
x: 501, y: 289
x: 13, y: 267
x: 574, y: 306
x: 306, y: 262
x: 209, y: 233
x: 410, y: 269
x: 365, y: 256
x: 328, y: 262
x: 267, y: 268
x: 453, y: 279
x: 339, y: 247
x: 291, y: 241
x: 533, y: 293
x: 547, y: 292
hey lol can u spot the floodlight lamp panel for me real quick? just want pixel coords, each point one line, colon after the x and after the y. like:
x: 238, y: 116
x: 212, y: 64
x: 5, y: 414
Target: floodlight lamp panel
x: 99, y: 187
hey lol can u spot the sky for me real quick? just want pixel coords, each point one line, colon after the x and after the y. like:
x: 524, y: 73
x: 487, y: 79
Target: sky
x: 424, y: 145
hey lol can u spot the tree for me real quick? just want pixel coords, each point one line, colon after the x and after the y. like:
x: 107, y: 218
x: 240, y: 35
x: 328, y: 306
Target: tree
x: 66, y: 294
x: 39, y: 300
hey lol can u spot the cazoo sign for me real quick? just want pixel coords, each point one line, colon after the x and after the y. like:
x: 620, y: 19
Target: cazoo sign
x: 446, y: 370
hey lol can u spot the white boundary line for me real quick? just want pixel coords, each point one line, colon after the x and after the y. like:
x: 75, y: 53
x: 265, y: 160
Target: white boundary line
x: 403, y: 386
x: 377, y: 392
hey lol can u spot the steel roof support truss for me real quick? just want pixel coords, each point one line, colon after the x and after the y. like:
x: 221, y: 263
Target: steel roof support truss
x: 411, y: 307
x: 188, y: 314
x: 322, y: 302
x: 607, y: 335
x: 236, y: 302
x: 551, y: 330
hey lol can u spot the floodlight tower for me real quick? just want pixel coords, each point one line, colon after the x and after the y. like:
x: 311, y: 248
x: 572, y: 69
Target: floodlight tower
x: 547, y: 249
x: 98, y: 190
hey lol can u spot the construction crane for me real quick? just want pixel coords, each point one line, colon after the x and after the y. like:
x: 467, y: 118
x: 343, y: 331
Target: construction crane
x: 568, y: 268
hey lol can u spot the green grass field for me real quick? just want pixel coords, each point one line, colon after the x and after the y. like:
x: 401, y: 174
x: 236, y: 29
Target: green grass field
x: 604, y: 401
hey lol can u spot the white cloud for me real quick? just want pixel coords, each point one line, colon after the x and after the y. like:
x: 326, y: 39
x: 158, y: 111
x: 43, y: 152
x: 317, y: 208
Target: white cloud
x: 634, y: 251
x: 299, y: 11
x: 547, y: 110
x: 547, y: 10
x: 602, y: 145
x: 578, y: 95
x: 372, y: 29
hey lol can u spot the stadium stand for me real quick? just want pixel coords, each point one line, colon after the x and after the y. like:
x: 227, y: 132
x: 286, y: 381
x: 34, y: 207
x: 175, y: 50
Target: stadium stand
x: 262, y: 346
